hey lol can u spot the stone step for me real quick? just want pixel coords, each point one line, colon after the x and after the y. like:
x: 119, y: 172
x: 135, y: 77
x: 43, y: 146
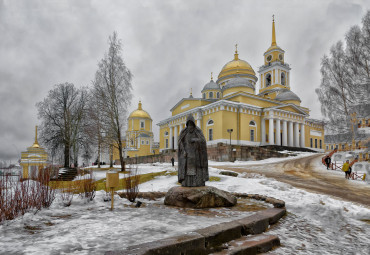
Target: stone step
x: 68, y: 175
x: 248, y: 245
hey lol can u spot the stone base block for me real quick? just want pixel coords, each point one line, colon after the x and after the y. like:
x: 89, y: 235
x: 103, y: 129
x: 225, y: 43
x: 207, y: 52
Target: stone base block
x: 199, y: 197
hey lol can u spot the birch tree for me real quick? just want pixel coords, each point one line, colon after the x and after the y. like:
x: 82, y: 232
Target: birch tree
x: 345, y: 79
x: 95, y: 127
x: 113, y: 90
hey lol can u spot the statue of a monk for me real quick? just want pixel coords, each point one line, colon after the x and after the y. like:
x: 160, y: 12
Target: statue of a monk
x: 192, y: 156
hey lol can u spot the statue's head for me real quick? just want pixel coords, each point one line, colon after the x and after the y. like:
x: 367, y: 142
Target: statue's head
x: 190, y: 123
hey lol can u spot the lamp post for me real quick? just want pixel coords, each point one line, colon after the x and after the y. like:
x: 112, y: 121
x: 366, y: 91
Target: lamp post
x: 230, y: 131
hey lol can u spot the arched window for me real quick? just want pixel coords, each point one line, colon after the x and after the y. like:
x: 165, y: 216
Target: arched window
x: 204, y: 95
x: 210, y: 122
x: 210, y: 95
x: 218, y: 94
x: 252, y: 123
x: 252, y: 135
x: 268, y: 80
x: 282, y: 78
x: 210, y: 134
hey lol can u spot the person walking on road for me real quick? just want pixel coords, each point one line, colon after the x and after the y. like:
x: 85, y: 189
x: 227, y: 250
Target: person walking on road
x: 327, y: 162
x: 345, y: 169
x: 173, y: 161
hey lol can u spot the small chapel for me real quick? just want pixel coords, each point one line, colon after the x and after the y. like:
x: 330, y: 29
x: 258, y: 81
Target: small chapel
x: 230, y: 111
x: 34, y: 159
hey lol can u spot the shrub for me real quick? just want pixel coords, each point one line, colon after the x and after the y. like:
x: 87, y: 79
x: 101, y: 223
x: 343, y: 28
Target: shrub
x: 87, y: 186
x: 19, y: 196
x: 66, y: 193
x: 132, y: 182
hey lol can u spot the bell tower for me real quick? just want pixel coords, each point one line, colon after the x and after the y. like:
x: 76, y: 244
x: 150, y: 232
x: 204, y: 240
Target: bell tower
x: 274, y: 74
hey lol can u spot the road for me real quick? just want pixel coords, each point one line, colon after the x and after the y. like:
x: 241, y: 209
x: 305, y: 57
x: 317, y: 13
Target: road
x: 304, y: 173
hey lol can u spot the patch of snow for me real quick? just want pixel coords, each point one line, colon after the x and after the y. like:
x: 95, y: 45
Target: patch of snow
x: 315, y: 223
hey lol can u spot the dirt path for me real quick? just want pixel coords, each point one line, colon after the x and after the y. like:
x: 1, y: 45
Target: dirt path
x: 303, y: 173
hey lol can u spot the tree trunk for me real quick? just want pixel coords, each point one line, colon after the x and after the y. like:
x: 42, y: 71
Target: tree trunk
x: 66, y: 155
x: 99, y: 148
x: 111, y: 156
x: 121, y: 157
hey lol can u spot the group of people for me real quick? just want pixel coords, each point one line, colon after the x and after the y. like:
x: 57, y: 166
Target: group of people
x: 346, y: 167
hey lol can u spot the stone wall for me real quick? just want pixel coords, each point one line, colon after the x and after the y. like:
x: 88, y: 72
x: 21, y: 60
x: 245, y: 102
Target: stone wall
x: 219, y: 152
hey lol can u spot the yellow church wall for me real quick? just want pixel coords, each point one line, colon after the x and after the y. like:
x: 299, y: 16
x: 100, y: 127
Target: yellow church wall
x: 237, y: 89
x: 229, y: 120
x: 163, y: 137
x: 188, y: 105
x: 275, y: 56
x: 134, y: 124
x: 292, y: 102
x: 253, y: 101
x: 216, y: 126
x: 308, y: 137
x: 144, y: 150
x: 290, y: 109
x: 245, y: 128
x: 270, y: 87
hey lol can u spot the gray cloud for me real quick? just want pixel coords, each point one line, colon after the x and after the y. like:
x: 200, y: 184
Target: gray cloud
x: 170, y: 47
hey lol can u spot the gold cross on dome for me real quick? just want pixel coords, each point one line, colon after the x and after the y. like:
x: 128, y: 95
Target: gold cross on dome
x: 236, y: 48
x: 273, y: 17
x: 211, y: 75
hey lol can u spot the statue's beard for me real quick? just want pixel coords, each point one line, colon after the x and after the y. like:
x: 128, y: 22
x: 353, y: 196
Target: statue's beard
x: 191, y: 130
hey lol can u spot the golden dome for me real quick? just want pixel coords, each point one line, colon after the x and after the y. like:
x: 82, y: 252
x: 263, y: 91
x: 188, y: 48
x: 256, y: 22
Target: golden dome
x: 236, y: 66
x: 140, y: 113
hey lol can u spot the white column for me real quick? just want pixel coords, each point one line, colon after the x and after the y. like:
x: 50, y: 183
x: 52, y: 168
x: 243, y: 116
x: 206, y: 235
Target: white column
x: 198, y: 123
x: 171, y: 144
x: 285, y: 132
x: 263, y: 132
x: 296, y: 134
x: 277, y: 135
x: 180, y: 128
x: 175, y: 131
x: 302, y: 136
x: 276, y: 76
x: 290, y: 134
x: 271, y: 131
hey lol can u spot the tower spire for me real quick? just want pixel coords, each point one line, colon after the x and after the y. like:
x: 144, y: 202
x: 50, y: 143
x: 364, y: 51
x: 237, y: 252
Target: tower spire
x: 139, y: 107
x: 273, y: 42
x: 236, y: 55
x: 36, y: 143
x: 36, y: 135
x: 211, y: 76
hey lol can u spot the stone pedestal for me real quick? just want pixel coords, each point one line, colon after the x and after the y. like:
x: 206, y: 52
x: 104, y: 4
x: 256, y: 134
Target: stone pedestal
x: 199, y: 197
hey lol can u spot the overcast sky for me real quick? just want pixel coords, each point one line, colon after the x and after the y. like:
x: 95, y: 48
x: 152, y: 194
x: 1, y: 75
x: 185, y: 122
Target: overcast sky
x: 169, y: 46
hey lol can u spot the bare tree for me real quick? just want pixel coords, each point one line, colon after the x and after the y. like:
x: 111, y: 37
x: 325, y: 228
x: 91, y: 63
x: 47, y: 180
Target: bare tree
x: 113, y: 90
x: 62, y: 113
x: 345, y: 80
x: 95, y: 127
x: 336, y: 88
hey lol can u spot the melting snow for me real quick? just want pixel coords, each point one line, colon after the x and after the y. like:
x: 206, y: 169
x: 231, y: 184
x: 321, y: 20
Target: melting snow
x: 315, y: 224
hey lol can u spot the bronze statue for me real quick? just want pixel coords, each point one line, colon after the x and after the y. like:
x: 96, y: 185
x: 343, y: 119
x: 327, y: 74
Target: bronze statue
x: 192, y: 156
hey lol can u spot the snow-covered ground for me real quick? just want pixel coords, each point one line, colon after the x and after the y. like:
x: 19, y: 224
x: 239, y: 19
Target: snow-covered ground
x: 315, y: 224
